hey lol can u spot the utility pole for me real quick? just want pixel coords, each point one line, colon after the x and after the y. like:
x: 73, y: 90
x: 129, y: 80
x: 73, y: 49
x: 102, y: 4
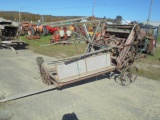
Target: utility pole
x: 19, y: 14
x: 93, y: 8
x: 149, y: 15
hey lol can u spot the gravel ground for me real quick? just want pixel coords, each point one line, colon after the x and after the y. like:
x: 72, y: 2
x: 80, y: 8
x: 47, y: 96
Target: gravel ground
x: 102, y: 99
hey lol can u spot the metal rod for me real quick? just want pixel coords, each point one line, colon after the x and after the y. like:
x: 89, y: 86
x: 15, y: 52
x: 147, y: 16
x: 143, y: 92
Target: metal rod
x: 69, y: 20
x: 88, y: 46
x: 21, y: 95
x: 85, y: 28
x: 75, y: 23
x: 96, y: 30
x: 87, y: 54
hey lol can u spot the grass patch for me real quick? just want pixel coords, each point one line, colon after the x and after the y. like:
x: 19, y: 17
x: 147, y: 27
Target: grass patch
x: 158, y: 37
x: 153, y: 59
x: 54, y: 50
x: 151, y: 72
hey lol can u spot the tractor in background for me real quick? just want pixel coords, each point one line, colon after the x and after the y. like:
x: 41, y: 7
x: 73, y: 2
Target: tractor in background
x: 32, y: 29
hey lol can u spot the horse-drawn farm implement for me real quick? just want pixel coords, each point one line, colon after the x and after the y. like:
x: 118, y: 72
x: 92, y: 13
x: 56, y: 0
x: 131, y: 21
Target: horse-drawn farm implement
x: 110, y: 48
x: 115, y: 48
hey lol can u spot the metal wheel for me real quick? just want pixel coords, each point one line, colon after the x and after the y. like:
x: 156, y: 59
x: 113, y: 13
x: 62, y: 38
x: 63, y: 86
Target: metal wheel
x: 46, y: 79
x: 129, y: 75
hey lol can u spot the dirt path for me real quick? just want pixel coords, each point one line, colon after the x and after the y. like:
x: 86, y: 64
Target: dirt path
x: 99, y: 100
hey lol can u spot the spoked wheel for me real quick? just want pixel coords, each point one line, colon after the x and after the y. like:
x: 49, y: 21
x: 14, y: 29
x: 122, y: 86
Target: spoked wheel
x: 129, y: 75
x: 46, y: 78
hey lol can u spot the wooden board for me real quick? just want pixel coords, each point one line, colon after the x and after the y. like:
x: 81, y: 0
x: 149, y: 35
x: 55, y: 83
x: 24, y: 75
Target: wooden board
x: 83, y: 66
x: 98, y: 62
x: 89, y: 74
x: 72, y: 69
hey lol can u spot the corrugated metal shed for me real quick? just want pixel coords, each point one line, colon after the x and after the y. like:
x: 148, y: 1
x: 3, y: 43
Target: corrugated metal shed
x: 154, y: 23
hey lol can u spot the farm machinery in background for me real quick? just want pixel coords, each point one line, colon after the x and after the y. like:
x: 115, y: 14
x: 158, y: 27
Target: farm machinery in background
x: 9, y: 36
x: 26, y: 28
x: 151, y: 34
x: 64, y: 30
x: 32, y: 29
x: 54, y: 28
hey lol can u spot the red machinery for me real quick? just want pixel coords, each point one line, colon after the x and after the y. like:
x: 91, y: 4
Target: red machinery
x: 51, y: 29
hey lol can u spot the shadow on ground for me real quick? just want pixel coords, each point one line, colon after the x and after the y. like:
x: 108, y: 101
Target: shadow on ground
x: 110, y: 75
x: 70, y: 116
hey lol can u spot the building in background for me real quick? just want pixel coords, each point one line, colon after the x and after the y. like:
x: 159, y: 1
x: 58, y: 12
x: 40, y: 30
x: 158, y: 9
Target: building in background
x: 154, y: 23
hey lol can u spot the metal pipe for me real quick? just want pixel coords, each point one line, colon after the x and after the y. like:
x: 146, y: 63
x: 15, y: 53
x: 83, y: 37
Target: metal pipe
x: 87, y: 54
x: 96, y: 30
x: 75, y: 23
x: 69, y: 20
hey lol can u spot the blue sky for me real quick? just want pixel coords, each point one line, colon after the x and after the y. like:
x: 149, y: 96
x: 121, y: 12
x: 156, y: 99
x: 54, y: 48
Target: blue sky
x: 129, y: 9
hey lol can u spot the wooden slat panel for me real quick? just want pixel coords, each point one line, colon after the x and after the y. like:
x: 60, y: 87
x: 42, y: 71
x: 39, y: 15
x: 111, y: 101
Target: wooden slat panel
x: 83, y: 66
